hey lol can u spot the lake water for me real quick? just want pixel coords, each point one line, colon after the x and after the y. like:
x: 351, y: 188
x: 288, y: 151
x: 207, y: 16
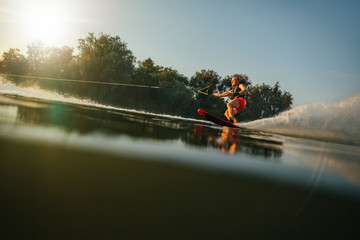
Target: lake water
x: 72, y: 168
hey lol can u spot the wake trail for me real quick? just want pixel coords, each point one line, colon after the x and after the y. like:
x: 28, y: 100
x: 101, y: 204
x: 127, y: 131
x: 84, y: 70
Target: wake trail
x: 339, y: 122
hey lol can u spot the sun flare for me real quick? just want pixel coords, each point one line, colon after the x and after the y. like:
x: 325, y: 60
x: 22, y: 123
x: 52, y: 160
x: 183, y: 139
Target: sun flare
x: 45, y: 22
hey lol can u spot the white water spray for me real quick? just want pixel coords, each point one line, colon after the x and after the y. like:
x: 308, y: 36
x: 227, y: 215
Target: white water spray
x: 339, y: 122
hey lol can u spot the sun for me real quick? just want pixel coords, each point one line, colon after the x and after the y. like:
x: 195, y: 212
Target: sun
x: 45, y: 22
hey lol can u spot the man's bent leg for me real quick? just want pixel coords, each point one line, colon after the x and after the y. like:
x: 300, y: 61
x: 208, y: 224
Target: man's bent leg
x: 231, y: 105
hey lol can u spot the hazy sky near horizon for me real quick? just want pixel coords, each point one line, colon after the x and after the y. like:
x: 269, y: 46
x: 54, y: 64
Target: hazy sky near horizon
x: 312, y: 47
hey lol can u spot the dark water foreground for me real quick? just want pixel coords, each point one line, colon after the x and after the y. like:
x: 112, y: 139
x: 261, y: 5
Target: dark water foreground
x: 71, y: 171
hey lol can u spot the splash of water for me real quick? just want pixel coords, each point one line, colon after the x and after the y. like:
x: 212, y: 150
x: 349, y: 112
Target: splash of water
x: 338, y: 122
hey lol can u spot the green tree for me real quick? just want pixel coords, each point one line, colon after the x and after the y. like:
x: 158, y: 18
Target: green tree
x: 203, y: 79
x: 36, y: 56
x: 58, y: 62
x: 177, y: 99
x: 169, y: 74
x: 14, y: 63
x: 264, y: 101
x: 147, y: 73
x: 104, y: 58
x: 173, y: 97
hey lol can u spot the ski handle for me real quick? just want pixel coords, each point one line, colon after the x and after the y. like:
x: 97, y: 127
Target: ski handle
x: 200, y: 90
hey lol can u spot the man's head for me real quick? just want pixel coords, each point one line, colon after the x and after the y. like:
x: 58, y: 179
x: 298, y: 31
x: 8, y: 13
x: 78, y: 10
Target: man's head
x: 235, y: 81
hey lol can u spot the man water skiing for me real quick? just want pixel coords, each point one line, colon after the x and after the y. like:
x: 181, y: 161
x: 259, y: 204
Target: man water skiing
x: 238, y: 102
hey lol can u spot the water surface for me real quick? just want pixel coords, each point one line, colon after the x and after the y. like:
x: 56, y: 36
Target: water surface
x: 93, y: 169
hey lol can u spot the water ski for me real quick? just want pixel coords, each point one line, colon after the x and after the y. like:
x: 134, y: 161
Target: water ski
x: 216, y: 120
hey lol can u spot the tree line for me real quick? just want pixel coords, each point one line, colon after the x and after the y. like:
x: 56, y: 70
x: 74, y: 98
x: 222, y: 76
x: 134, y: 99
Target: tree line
x: 107, y: 59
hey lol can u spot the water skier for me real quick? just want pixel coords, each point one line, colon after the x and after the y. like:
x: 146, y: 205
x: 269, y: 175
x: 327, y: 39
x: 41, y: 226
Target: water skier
x: 238, y: 102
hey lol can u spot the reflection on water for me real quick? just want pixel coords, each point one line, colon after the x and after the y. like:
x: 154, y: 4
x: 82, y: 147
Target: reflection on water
x: 85, y: 120
x: 236, y: 140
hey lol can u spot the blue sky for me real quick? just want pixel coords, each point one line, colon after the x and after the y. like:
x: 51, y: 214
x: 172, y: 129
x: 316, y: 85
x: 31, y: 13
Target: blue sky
x: 311, y: 47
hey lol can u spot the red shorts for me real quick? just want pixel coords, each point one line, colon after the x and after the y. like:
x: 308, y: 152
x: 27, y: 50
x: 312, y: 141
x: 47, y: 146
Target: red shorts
x: 242, y: 102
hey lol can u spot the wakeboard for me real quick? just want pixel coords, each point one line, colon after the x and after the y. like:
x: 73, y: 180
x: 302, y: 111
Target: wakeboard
x: 212, y: 118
